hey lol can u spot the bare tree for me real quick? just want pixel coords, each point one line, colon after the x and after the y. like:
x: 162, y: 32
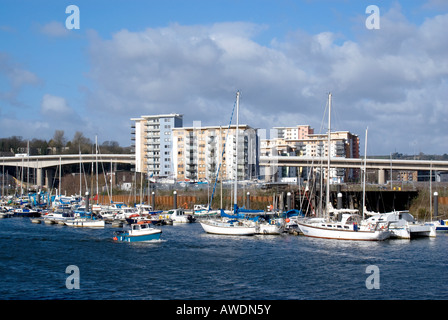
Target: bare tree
x: 80, y: 143
x: 58, y: 142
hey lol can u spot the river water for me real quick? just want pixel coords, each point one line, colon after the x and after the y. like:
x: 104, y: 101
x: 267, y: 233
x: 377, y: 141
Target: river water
x: 189, y: 264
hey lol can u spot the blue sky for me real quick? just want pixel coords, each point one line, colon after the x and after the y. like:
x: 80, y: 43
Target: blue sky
x: 132, y: 58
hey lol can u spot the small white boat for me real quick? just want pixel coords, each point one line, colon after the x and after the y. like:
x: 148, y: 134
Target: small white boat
x: 138, y: 232
x: 85, y: 222
x: 126, y: 212
x: 58, y: 215
x: 107, y: 215
x: 402, y: 225
x: 179, y: 216
x: 143, y: 209
x: 201, y: 210
x: 273, y: 226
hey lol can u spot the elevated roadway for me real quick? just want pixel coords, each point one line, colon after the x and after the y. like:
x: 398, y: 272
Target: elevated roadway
x: 379, y: 164
x: 39, y: 162
x: 382, y: 165
x: 45, y: 165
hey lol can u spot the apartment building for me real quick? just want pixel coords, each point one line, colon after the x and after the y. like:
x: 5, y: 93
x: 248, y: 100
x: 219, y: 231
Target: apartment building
x: 293, y: 133
x: 153, y: 138
x: 198, y: 152
x: 302, y: 141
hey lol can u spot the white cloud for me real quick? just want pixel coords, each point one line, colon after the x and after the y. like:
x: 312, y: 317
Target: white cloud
x: 388, y: 79
x: 57, y: 110
x: 53, y: 29
x: 17, y: 78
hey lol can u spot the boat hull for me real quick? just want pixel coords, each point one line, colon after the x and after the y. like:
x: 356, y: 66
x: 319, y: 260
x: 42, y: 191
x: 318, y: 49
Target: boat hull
x: 225, y: 228
x: 316, y: 231
x: 125, y: 237
x: 26, y: 214
x: 269, y: 229
x: 440, y: 225
x: 85, y: 223
x: 413, y: 231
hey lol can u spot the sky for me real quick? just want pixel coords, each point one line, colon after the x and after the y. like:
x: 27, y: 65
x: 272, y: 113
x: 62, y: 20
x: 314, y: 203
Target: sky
x: 134, y: 58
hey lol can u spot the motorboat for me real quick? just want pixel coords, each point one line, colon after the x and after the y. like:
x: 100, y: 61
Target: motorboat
x: 141, y: 231
x: 179, y: 216
x: 26, y: 212
x: 270, y: 226
x: 402, y: 225
x: 126, y: 212
x: 59, y: 215
x: 202, y: 210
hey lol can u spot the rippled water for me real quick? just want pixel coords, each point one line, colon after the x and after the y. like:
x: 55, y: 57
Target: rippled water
x: 190, y: 264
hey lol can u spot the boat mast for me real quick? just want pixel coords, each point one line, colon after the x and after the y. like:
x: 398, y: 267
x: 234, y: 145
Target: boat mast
x: 80, y: 172
x: 327, y: 204
x: 235, y: 206
x: 96, y: 160
x: 364, y: 179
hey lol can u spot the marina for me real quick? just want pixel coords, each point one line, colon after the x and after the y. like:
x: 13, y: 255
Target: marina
x: 188, y: 263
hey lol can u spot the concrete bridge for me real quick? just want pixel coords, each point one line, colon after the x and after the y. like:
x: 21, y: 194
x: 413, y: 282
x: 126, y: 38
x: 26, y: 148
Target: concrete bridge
x: 382, y: 165
x: 45, y: 165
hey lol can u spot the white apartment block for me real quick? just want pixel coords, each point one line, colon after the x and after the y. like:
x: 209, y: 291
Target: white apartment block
x: 301, y: 141
x: 293, y: 133
x: 199, y: 151
x: 153, y: 137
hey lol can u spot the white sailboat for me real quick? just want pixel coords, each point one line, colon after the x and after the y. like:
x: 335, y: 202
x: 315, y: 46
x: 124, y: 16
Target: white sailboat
x: 235, y: 227
x: 337, y: 224
x: 228, y: 225
x: 88, y: 218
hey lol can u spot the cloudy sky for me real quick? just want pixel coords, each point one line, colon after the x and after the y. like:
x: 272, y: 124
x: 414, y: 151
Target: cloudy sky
x: 133, y: 58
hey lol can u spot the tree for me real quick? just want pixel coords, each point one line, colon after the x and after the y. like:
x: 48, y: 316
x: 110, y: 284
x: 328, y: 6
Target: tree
x: 80, y: 143
x: 58, y: 142
x: 14, y: 144
x: 38, y: 147
x: 111, y: 147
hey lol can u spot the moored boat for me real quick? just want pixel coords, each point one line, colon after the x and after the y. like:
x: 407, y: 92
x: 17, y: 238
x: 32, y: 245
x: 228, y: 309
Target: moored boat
x: 271, y: 226
x: 26, y: 212
x: 402, y: 225
x: 85, y: 223
x: 138, y: 232
x: 349, y: 228
x: 179, y: 216
x: 237, y: 227
x: 439, y: 225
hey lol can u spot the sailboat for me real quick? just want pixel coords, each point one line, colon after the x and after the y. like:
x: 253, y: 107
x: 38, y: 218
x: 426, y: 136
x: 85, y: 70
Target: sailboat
x: 86, y: 217
x: 234, y: 224
x: 337, y: 224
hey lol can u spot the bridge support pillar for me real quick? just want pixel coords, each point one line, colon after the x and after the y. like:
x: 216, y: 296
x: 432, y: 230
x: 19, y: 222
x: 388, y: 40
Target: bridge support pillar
x: 49, y: 177
x: 39, y: 178
x: 381, y: 176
